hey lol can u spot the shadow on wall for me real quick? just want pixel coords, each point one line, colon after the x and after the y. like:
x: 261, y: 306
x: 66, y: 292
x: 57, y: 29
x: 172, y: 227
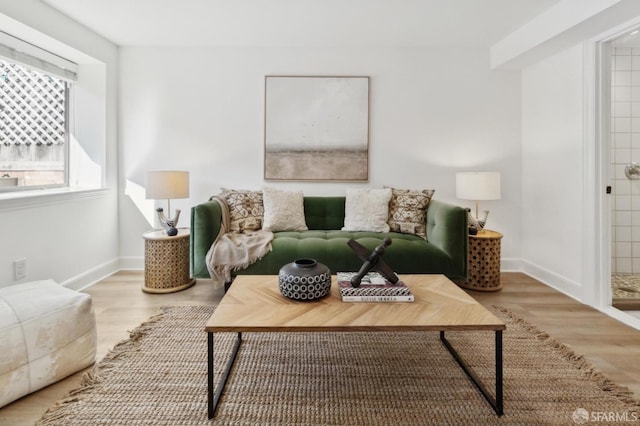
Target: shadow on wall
x: 137, y: 194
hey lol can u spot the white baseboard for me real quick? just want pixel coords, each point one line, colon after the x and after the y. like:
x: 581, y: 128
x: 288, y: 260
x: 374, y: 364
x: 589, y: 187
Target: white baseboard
x: 510, y: 265
x: 132, y: 263
x: 92, y: 276
x: 553, y: 280
x: 549, y: 278
x: 621, y: 316
x: 565, y: 286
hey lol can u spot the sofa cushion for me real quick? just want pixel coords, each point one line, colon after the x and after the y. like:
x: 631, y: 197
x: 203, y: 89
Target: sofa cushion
x: 407, y: 253
x: 367, y: 210
x: 246, y: 210
x: 324, y: 212
x: 283, y: 210
x: 408, y: 211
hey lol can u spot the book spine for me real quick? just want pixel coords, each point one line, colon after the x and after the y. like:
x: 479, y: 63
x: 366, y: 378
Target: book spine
x: 408, y: 298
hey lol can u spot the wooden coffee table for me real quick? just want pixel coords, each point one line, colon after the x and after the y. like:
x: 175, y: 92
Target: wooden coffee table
x: 254, y: 304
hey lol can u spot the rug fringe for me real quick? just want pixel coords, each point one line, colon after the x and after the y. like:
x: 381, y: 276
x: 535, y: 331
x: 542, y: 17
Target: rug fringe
x: 93, y: 376
x: 623, y: 393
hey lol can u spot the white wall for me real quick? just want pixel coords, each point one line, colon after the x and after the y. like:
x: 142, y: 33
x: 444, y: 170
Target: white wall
x: 433, y: 112
x: 553, y: 170
x: 70, y: 238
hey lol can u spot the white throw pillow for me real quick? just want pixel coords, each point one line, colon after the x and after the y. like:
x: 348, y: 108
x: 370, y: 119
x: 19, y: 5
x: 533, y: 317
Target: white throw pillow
x: 283, y: 210
x: 367, y: 210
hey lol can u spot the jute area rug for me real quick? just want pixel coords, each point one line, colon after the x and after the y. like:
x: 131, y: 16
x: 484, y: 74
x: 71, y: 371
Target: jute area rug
x: 159, y: 377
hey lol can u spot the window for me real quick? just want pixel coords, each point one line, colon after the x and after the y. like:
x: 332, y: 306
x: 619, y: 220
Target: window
x: 35, y: 86
x: 34, y: 129
x: 53, y: 121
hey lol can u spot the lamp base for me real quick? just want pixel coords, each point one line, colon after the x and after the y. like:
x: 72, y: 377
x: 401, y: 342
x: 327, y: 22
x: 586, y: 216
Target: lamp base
x: 170, y: 225
x: 476, y: 224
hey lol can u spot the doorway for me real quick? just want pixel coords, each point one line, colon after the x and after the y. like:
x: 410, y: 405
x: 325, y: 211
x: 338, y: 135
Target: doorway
x: 624, y: 171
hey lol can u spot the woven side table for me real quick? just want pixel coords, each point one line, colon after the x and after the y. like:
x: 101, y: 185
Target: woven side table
x: 166, y: 262
x: 483, y: 262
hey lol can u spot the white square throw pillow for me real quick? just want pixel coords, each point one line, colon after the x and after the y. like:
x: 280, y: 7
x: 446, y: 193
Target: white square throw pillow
x: 367, y: 210
x: 283, y: 210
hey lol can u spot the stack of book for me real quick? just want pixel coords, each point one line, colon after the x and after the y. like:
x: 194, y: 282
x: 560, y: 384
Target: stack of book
x: 373, y: 288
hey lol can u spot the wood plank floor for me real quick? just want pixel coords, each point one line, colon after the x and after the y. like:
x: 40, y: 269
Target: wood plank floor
x: 120, y: 306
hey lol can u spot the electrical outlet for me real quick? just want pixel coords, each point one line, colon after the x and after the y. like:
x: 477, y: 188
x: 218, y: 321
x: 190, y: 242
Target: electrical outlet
x: 19, y: 269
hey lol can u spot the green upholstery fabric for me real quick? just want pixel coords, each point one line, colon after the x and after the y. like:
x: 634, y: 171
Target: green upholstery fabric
x: 445, y: 252
x: 324, y: 212
x: 206, y: 220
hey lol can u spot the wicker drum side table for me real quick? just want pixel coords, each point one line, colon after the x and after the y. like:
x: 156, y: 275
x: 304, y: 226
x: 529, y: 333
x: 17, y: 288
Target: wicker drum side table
x: 483, y: 262
x: 166, y: 262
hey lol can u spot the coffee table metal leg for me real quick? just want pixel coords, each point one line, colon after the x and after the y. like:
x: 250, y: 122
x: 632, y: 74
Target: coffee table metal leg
x: 213, y: 395
x: 496, y: 403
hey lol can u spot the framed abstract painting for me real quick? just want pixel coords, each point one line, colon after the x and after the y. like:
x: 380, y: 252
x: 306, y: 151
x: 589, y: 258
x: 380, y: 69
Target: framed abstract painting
x: 316, y: 128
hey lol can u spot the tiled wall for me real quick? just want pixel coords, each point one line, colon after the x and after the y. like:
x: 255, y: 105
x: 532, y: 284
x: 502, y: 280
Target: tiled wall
x: 625, y: 144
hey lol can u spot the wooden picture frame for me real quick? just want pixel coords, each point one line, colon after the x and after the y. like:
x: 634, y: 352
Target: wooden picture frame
x: 316, y: 128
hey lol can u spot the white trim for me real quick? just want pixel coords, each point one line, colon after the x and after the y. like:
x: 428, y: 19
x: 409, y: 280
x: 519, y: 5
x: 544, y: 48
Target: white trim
x: 92, y: 276
x: 19, y: 200
x: 561, y: 285
x: 621, y: 316
x: 591, y: 231
x: 597, y: 205
x: 510, y: 265
x: 132, y: 263
x: 551, y: 279
x: 601, y: 144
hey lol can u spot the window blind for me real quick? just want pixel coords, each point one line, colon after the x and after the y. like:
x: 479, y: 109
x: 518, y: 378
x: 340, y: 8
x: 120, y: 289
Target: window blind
x: 25, y: 53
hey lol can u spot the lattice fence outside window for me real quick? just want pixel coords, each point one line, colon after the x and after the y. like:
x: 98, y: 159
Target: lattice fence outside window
x: 33, y: 127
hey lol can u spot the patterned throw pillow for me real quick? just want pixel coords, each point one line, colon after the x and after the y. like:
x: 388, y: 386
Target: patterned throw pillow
x: 246, y: 211
x: 408, y: 210
x: 283, y: 210
x: 367, y: 210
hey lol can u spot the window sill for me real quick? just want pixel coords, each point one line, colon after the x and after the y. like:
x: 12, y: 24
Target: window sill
x: 28, y: 199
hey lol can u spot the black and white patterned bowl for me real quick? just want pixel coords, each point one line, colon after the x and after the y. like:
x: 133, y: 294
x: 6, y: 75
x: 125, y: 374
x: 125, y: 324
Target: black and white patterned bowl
x: 304, y: 279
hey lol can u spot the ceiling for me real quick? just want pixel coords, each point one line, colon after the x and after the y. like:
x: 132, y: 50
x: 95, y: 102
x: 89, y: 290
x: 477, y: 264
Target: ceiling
x: 315, y: 23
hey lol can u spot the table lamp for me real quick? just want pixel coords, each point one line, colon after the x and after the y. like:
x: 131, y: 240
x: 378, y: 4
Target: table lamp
x: 478, y: 186
x: 167, y: 184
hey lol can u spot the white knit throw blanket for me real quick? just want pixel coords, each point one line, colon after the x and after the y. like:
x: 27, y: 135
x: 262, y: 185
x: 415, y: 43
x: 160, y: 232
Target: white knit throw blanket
x: 232, y: 251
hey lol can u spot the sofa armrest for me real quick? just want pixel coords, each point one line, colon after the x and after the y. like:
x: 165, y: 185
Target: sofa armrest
x: 447, y: 229
x: 206, y: 222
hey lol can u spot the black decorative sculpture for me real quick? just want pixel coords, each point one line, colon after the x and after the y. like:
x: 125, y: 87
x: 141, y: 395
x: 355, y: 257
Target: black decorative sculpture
x: 372, y: 259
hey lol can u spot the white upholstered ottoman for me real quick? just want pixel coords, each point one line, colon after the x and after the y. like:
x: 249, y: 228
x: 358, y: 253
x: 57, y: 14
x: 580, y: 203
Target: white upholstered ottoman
x: 47, y: 332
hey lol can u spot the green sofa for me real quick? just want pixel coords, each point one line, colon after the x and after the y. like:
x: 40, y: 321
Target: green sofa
x: 445, y: 252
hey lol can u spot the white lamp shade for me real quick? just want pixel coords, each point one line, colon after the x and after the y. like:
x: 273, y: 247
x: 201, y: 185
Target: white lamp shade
x: 478, y: 185
x: 167, y: 185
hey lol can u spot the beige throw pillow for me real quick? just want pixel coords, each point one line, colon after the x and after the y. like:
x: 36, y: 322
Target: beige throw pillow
x: 283, y: 210
x: 408, y: 210
x: 367, y: 210
x: 246, y: 211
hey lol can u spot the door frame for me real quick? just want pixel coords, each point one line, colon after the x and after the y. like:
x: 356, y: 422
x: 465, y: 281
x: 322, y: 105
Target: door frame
x: 597, y: 253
